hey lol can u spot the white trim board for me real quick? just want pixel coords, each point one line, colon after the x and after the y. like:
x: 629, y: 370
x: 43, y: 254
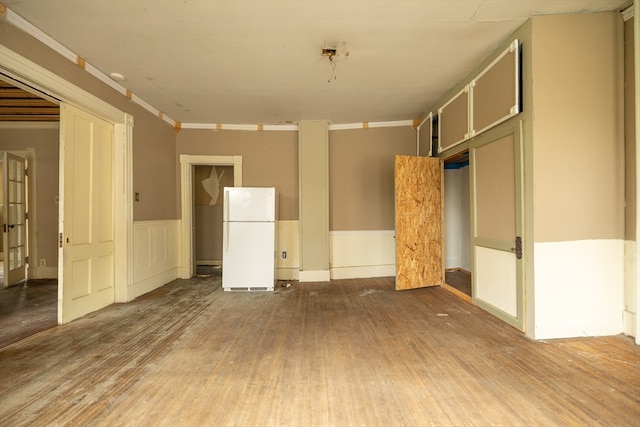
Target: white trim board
x: 42, y: 272
x: 314, y: 276
x: 293, y: 127
x: 629, y: 316
x: 579, y: 288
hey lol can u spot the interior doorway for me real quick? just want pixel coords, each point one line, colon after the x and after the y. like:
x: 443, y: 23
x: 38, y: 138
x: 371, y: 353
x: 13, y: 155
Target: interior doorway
x: 458, y: 262
x: 29, y: 130
x: 35, y: 79
x: 189, y: 231
x: 208, y: 200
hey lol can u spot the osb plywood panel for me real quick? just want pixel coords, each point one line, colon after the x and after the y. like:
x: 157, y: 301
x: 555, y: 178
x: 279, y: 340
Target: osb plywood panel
x: 419, y: 226
x: 496, y: 189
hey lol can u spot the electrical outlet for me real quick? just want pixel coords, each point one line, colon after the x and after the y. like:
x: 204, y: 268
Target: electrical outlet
x: 284, y: 254
x: 43, y: 262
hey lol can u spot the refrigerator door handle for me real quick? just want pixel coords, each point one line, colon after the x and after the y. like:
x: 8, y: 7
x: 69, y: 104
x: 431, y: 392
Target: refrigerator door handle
x: 226, y: 243
x: 226, y: 205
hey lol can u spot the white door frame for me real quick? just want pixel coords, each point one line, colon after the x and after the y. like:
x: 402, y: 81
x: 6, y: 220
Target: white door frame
x: 187, y: 162
x: 29, y: 73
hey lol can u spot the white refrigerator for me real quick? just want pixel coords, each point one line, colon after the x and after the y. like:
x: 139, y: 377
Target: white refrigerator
x: 248, y: 239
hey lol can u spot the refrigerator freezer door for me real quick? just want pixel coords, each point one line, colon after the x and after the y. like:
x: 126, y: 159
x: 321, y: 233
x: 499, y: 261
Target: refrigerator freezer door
x: 248, y: 256
x: 249, y: 204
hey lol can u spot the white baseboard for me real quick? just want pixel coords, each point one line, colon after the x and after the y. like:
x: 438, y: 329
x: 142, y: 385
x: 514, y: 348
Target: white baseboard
x: 629, y: 323
x: 184, y: 273
x: 363, y: 272
x: 209, y: 262
x: 629, y: 319
x: 42, y: 272
x: 314, y: 276
x: 287, y: 273
x: 150, y: 283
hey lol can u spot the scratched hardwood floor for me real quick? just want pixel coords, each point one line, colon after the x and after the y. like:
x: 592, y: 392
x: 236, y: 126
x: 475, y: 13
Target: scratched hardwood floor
x: 348, y: 353
x: 27, y: 308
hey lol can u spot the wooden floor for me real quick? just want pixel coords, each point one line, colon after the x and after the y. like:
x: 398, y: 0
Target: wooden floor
x: 348, y: 353
x: 460, y: 281
x: 27, y: 308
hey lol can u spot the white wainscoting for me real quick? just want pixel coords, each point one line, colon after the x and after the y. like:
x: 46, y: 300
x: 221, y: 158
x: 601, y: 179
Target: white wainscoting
x: 155, y: 255
x: 630, y: 289
x: 362, y: 254
x: 579, y: 288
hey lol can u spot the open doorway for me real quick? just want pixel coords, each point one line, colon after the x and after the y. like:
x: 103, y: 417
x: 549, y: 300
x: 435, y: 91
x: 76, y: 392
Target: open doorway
x: 458, y: 264
x: 29, y: 131
x: 188, y: 187
x: 33, y: 78
x: 208, y: 184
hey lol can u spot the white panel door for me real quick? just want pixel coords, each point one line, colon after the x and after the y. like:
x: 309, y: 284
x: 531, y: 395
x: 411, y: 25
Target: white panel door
x: 14, y: 228
x: 86, y: 265
x: 497, y: 226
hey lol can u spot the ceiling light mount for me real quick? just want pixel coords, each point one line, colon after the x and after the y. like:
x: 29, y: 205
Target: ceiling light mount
x: 332, y: 52
x: 329, y: 52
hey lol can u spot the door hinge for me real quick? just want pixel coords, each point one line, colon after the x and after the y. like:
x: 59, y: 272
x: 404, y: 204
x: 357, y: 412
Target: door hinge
x: 60, y: 240
x: 26, y: 260
x: 518, y: 248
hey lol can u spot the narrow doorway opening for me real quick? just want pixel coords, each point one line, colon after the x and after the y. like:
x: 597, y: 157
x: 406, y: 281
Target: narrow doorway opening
x: 29, y: 129
x: 458, y: 264
x: 189, y: 231
x: 208, y: 201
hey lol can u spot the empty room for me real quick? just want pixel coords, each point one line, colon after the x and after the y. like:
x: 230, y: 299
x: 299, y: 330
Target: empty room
x: 344, y: 213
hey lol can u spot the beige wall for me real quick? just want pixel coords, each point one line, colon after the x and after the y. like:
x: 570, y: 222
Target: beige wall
x: 46, y: 143
x: 208, y: 232
x: 360, y: 169
x: 361, y: 176
x: 629, y: 132
x: 578, y: 152
x: 153, y: 146
x: 208, y: 212
x: 269, y: 159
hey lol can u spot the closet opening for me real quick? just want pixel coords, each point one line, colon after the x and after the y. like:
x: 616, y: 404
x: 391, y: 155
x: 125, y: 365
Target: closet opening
x: 457, y: 219
x: 208, y: 184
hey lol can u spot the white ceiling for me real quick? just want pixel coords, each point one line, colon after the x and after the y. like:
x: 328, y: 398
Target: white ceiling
x: 260, y: 61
